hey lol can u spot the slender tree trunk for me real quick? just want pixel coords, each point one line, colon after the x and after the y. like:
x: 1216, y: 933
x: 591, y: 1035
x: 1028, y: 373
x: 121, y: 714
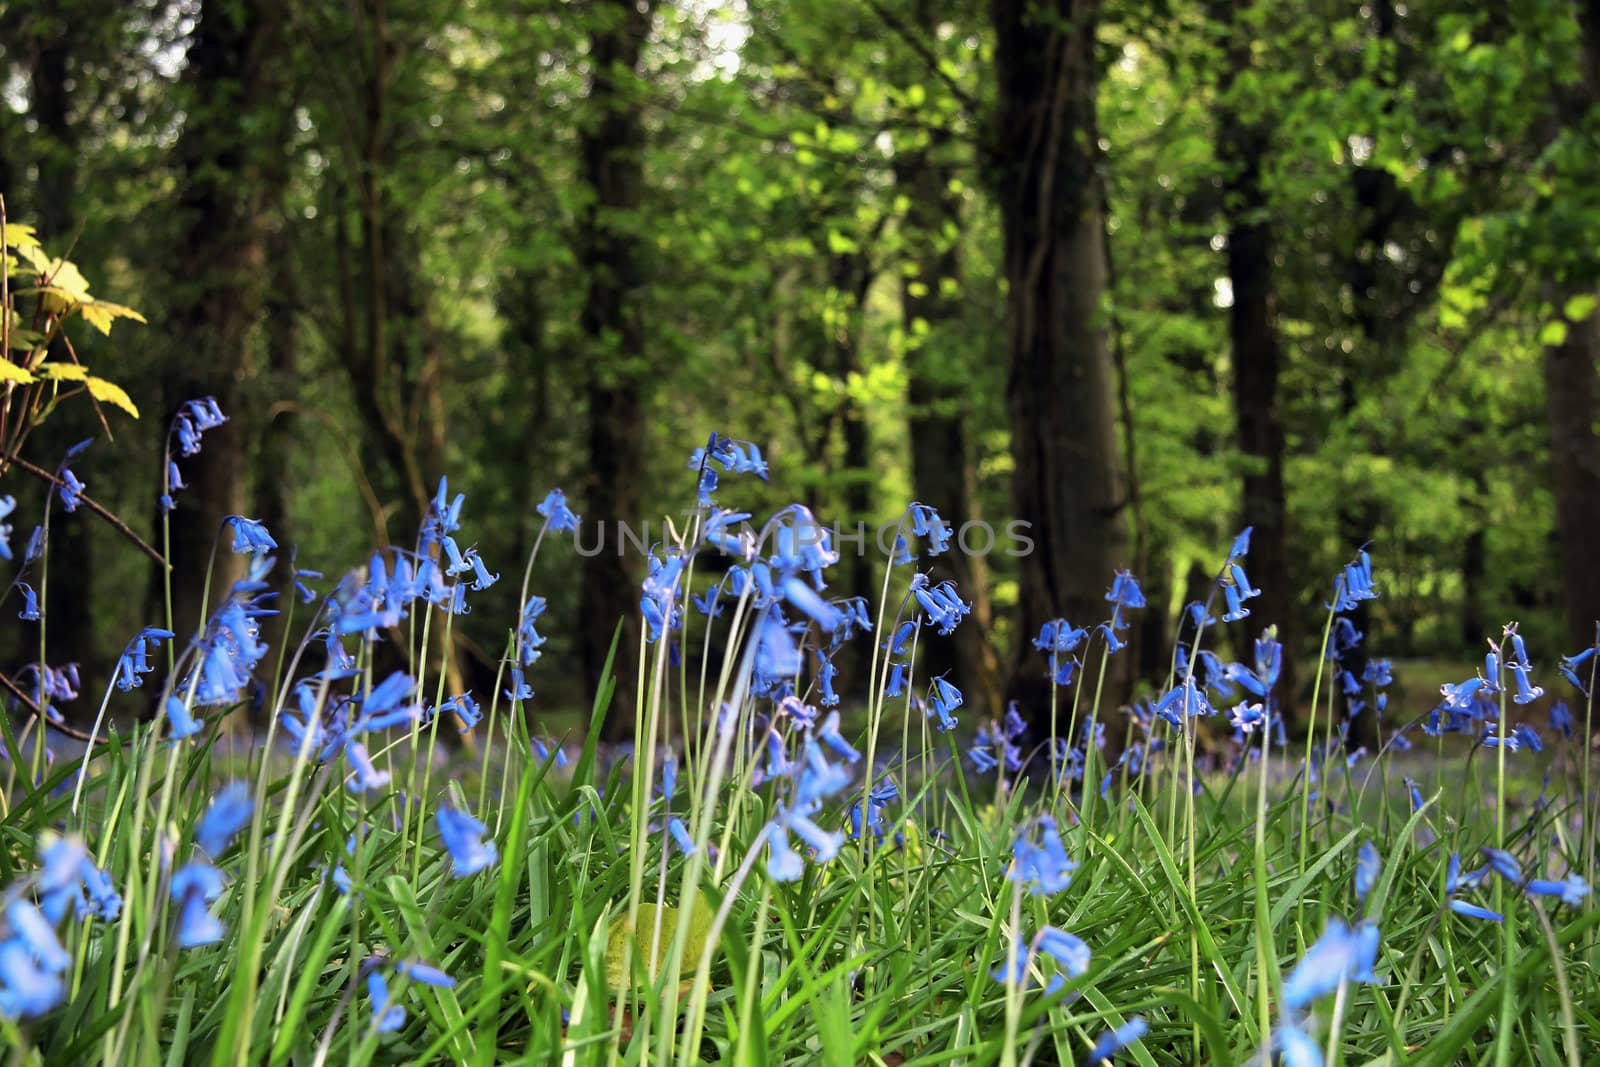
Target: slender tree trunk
x: 942, y: 473
x: 612, y: 167
x: 1572, y: 399
x: 1068, y: 480
x: 229, y: 149
x: 1242, y: 146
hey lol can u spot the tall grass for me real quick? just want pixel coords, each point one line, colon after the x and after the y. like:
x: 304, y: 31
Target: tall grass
x: 1209, y: 861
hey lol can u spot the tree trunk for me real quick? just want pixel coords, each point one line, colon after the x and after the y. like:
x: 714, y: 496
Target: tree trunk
x: 1068, y: 481
x: 611, y: 165
x: 1242, y: 146
x: 1572, y: 398
x: 942, y: 473
x: 230, y: 148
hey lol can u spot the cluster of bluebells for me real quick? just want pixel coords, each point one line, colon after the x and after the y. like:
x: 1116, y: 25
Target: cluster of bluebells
x: 388, y: 1016
x: 1472, y: 706
x: 1040, y: 867
x: 193, y: 419
x: 1342, y: 954
x: 33, y: 963
x: 735, y: 457
x: 199, y: 883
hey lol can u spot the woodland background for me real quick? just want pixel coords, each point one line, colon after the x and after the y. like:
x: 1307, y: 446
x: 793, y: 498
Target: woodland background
x: 1137, y: 272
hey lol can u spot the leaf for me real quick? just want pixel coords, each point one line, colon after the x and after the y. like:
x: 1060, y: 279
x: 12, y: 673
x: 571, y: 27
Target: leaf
x: 19, y: 236
x: 63, y: 280
x: 1553, y: 334
x: 1580, y: 307
x: 102, y: 313
x: 10, y: 372
x: 617, y: 938
x: 109, y: 393
x: 63, y: 372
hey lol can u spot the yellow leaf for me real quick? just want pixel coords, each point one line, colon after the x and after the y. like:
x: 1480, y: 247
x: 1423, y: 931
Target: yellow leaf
x: 63, y: 280
x: 617, y: 939
x: 102, y: 313
x: 10, y: 372
x: 63, y: 372
x: 20, y: 236
x: 107, y: 393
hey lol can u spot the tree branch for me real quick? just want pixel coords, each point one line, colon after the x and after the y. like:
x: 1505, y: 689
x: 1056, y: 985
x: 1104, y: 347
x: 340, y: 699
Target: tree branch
x: 99, y: 509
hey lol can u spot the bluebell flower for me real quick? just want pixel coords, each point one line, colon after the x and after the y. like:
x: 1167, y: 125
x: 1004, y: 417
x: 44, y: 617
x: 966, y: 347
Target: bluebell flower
x: 463, y: 837
x: 797, y: 592
x: 1072, y: 956
x: 826, y: 673
x: 543, y: 752
x: 250, y: 536
x: 181, y: 721
x: 228, y: 814
x: 135, y: 658
x: 8, y: 504
x: 1527, y: 692
x: 1236, y: 609
x: 32, y: 964
x: 30, y: 602
x: 444, y: 514
x: 925, y: 522
x: 1571, y: 889
x: 1114, y: 1041
x: 828, y: 734
x: 1059, y: 636
x: 1339, y: 955
x: 465, y: 709
x: 386, y: 1017
x: 943, y: 607
x: 31, y: 928
x: 557, y: 516
x: 1357, y: 585
x: 784, y: 864
x: 1570, y: 665
x: 364, y: 776
x: 1417, y: 801
x: 71, y: 490
x: 943, y: 699
x: 519, y: 689
x: 194, y: 887
x: 777, y: 655
x: 878, y: 800
x: 1296, y: 1048
x: 35, y: 550
x: 1125, y: 591
x: 1504, y: 864
x: 1368, y: 866
x: 896, y: 684
x: 386, y: 704
x: 481, y: 578
x: 680, y: 834
x: 1474, y: 911
x: 1246, y: 717
x: 427, y: 975
x: 1527, y: 737
x: 1182, y: 703
x: 1456, y: 882
x: 1042, y: 869
x: 718, y: 531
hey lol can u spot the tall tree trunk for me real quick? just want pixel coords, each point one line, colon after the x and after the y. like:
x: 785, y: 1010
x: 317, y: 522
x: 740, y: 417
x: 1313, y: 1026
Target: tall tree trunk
x: 230, y: 149
x: 942, y: 472
x: 612, y: 166
x: 1572, y: 398
x: 1068, y: 481
x: 1242, y: 146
